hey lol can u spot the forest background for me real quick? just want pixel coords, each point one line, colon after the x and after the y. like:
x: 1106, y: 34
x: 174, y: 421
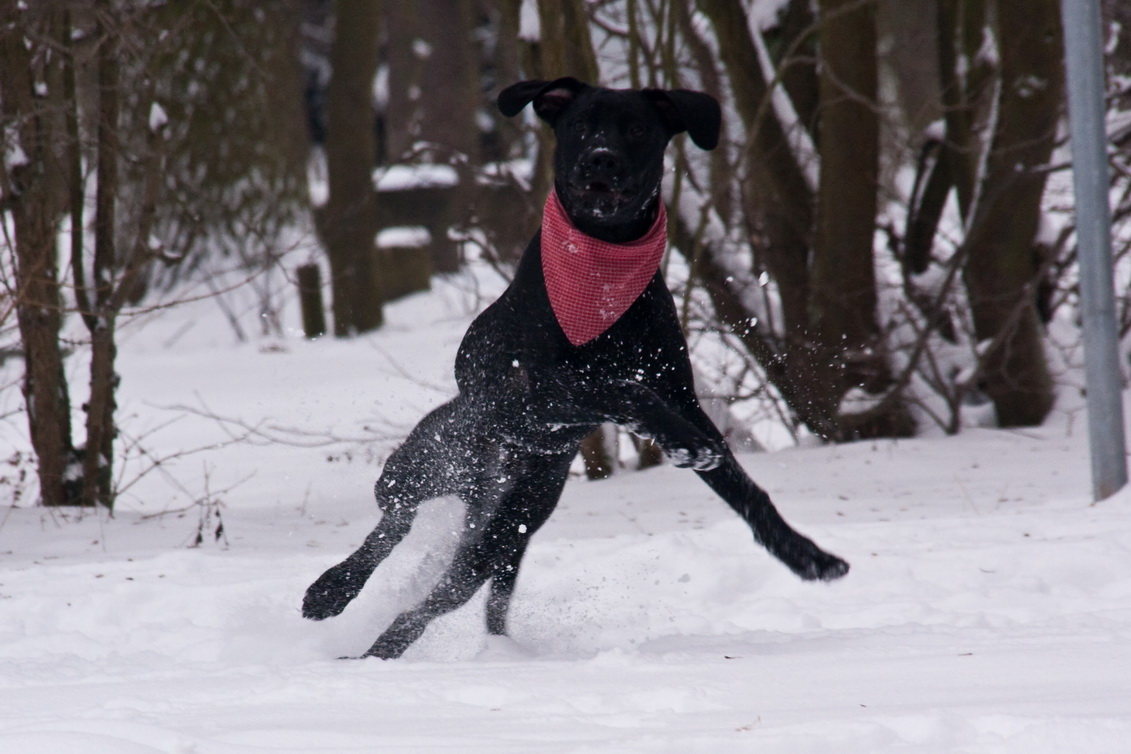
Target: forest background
x: 883, y: 245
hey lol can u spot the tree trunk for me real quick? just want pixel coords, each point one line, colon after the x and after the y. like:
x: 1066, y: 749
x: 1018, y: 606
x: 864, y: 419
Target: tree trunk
x: 567, y: 48
x: 564, y: 49
x: 599, y: 452
x: 1001, y: 263
x: 822, y: 263
x: 35, y: 190
x: 347, y: 223
x: 406, y: 72
x: 843, y: 282
x: 450, y: 76
x: 98, y: 456
x: 310, y: 301
x: 796, y: 54
x: 780, y: 212
x: 843, y: 286
x: 962, y: 25
x: 448, y: 110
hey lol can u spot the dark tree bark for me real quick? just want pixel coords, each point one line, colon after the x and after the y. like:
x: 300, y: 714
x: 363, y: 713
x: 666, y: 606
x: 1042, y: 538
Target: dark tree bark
x: 43, y: 47
x: 448, y: 110
x: 310, y: 300
x: 844, y: 282
x: 450, y: 76
x: 566, y: 47
x: 962, y: 25
x: 598, y: 452
x: 843, y: 292
x: 1117, y: 47
x: 348, y: 222
x: 1002, y: 265
x: 35, y: 194
x: 402, y: 113
x: 780, y: 217
x: 98, y: 457
x: 795, y: 52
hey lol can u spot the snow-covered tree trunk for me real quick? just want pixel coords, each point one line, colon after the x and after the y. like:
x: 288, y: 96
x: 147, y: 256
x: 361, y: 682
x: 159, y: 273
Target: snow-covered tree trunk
x: 811, y: 228
x: 778, y: 204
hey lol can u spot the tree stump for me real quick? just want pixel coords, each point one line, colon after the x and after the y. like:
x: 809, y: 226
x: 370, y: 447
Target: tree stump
x: 310, y: 301
x: 405, y: 261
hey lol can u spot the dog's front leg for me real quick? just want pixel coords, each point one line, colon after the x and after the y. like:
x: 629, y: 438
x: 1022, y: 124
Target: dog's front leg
x: 638, y: 408
x: 799, y: 553
x: 731, y: 482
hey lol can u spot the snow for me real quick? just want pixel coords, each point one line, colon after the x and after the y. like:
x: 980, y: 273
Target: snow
x: 14, y: 154
x: 529, y: 23
x: 157, y: 117
x: 405, y: 177
x: 403, y: 236
x: 988, y: 608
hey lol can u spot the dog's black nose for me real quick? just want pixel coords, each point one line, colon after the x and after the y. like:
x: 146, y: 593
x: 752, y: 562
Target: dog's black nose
x: 602, y: 162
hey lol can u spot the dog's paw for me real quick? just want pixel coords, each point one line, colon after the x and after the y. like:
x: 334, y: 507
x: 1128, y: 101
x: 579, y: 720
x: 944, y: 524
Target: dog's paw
x: 827, y: 567
x: 812, y: 563
x: 385, y: 649
x: 701, y: 458
x: 329, y: 595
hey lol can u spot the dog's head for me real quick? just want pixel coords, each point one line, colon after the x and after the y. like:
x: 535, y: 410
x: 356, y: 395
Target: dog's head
x: 609, y: 158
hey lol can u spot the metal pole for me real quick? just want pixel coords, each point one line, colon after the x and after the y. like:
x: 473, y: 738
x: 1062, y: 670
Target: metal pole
x: 1083, y: 46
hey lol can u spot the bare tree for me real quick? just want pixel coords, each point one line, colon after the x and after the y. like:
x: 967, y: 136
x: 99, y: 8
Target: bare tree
x: 34, y: 195
x: 851, y: 349
x: 814, y: 236
x: 1003, y: 263
x: 81, y: 91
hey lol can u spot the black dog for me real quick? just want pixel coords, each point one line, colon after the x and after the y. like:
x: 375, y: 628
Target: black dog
x: 528, y: 394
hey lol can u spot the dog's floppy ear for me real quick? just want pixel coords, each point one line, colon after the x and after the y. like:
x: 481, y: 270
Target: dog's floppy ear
x: 694, y: 112
x: 550, y: 98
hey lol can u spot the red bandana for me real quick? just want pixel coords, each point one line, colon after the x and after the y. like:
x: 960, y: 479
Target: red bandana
x: 592, y: 283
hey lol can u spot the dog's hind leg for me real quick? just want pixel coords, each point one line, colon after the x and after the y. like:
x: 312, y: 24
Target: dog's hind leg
x: 502, y: 589
x: 469, y: 571
x: 525, y: 509
x: 419, y: 470
x: 476, y: 560
x: 336, y: 588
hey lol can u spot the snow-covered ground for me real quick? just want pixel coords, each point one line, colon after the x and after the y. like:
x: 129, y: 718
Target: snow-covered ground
x: 988, y: 608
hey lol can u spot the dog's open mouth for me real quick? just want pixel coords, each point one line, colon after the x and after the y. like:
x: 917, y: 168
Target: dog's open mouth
x: 600, y: 199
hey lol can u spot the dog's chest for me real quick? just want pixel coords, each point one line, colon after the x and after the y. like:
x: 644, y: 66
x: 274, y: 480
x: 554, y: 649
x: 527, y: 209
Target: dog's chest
x: 516, y: 346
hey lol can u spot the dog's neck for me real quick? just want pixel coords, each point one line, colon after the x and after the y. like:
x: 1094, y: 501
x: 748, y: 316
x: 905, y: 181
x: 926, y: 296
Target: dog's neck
x: 592, y: 282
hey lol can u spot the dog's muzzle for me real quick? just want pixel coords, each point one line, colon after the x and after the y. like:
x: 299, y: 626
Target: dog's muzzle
x: 599, y: 186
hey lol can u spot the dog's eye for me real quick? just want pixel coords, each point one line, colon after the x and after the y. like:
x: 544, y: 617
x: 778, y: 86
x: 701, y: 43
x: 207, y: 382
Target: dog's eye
x: 636, y: 131
x: 578, y: 126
